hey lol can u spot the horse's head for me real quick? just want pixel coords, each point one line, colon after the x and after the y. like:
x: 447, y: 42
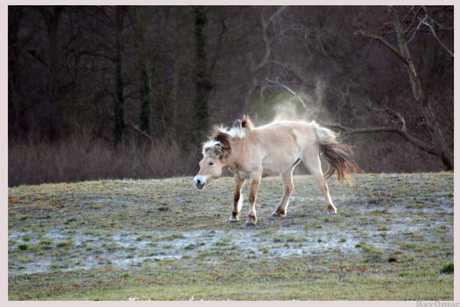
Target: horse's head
x: 217, y: 151
x: 214, y: 151
x: 210, y: 169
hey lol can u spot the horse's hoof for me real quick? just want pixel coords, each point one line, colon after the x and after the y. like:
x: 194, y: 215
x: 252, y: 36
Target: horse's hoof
x: 331, y: 209
x: 250, y: 222
x: 277, y: 214
x: 233, y: 219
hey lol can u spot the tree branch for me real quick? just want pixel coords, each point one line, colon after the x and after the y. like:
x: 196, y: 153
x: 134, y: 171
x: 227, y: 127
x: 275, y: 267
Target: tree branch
x: 387, y: 109
x: 255, y: 68
x: 291, y: 91
x: 413, y: 20
x: 276, y: 14
x: 139, y: 130
x: 385, y: 42
x: 435, y: 36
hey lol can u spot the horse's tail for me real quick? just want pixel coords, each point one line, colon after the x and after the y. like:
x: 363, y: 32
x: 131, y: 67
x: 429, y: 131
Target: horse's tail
x: 339, y: 156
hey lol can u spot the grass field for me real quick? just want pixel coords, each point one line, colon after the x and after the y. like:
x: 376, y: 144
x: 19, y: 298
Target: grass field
x: 392, y: 239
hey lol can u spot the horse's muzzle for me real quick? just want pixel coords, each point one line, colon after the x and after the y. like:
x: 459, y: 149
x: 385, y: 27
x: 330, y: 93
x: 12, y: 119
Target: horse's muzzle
x: 199, y: 181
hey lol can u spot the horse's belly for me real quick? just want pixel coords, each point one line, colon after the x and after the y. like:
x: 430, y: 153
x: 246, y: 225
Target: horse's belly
x: 274, y: 170
x: 269, y: 172
x: 275, y: 165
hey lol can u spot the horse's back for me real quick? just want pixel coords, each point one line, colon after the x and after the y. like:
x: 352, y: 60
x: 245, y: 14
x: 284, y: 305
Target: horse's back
x: 285, y: 142
x: 285, y: 126
x: 284, y: 132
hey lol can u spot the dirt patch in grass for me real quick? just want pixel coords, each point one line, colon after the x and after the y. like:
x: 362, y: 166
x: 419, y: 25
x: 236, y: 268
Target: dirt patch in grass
x: 88, y: 240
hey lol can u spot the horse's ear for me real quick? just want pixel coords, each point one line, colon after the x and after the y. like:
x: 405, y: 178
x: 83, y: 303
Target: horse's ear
x: 246, y: 123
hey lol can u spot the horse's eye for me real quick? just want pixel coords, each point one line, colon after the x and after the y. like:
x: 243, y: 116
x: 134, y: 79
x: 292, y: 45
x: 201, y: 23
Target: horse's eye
x: 211, y: 163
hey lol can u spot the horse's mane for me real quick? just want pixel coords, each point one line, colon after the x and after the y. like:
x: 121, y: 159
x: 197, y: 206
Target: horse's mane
x: 219, y: 144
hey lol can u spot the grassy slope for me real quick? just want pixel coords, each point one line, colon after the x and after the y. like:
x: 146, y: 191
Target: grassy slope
x: 403, y: 223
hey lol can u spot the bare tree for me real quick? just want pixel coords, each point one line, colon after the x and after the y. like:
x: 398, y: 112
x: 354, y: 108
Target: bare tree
x: 15, y: 15
x: 436, y: 143
x: 119, y: 121
x: 141, y: 27
x: 202, y: 75
x: 430, y: 139
x: 171, y: 72
x: 255, y: 68
x: 52, y: 17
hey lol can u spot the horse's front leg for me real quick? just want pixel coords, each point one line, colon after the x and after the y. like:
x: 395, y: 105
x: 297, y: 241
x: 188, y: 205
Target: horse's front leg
x: 252, y: 217
x: 237, y: 199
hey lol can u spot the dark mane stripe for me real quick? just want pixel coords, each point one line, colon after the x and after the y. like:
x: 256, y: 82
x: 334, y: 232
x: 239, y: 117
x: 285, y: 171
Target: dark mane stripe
x: 219, y: 144
x: 223, y: 147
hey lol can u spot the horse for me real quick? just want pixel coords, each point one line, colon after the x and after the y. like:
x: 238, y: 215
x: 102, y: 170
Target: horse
x: 277, y: 148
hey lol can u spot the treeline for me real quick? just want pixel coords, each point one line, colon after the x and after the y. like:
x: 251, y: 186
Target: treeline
x: 128, y: 91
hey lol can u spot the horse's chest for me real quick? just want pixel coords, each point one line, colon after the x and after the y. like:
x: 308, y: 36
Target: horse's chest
x: 243, y: 175
x: 239, y: 172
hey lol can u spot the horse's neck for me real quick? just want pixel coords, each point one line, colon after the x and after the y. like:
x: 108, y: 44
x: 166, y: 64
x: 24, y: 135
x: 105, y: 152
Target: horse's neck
x: 237, y: 153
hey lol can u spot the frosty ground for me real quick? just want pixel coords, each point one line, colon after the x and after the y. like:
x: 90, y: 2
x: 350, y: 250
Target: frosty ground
x: 150, y: 238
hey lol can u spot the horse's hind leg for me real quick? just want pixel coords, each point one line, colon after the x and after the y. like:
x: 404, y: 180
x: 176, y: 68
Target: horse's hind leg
x: 237, y: 199
x: 288, y: 185
x: 313, y: 164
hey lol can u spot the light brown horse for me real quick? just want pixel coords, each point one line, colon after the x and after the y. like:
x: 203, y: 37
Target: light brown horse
x: 253, y: 153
